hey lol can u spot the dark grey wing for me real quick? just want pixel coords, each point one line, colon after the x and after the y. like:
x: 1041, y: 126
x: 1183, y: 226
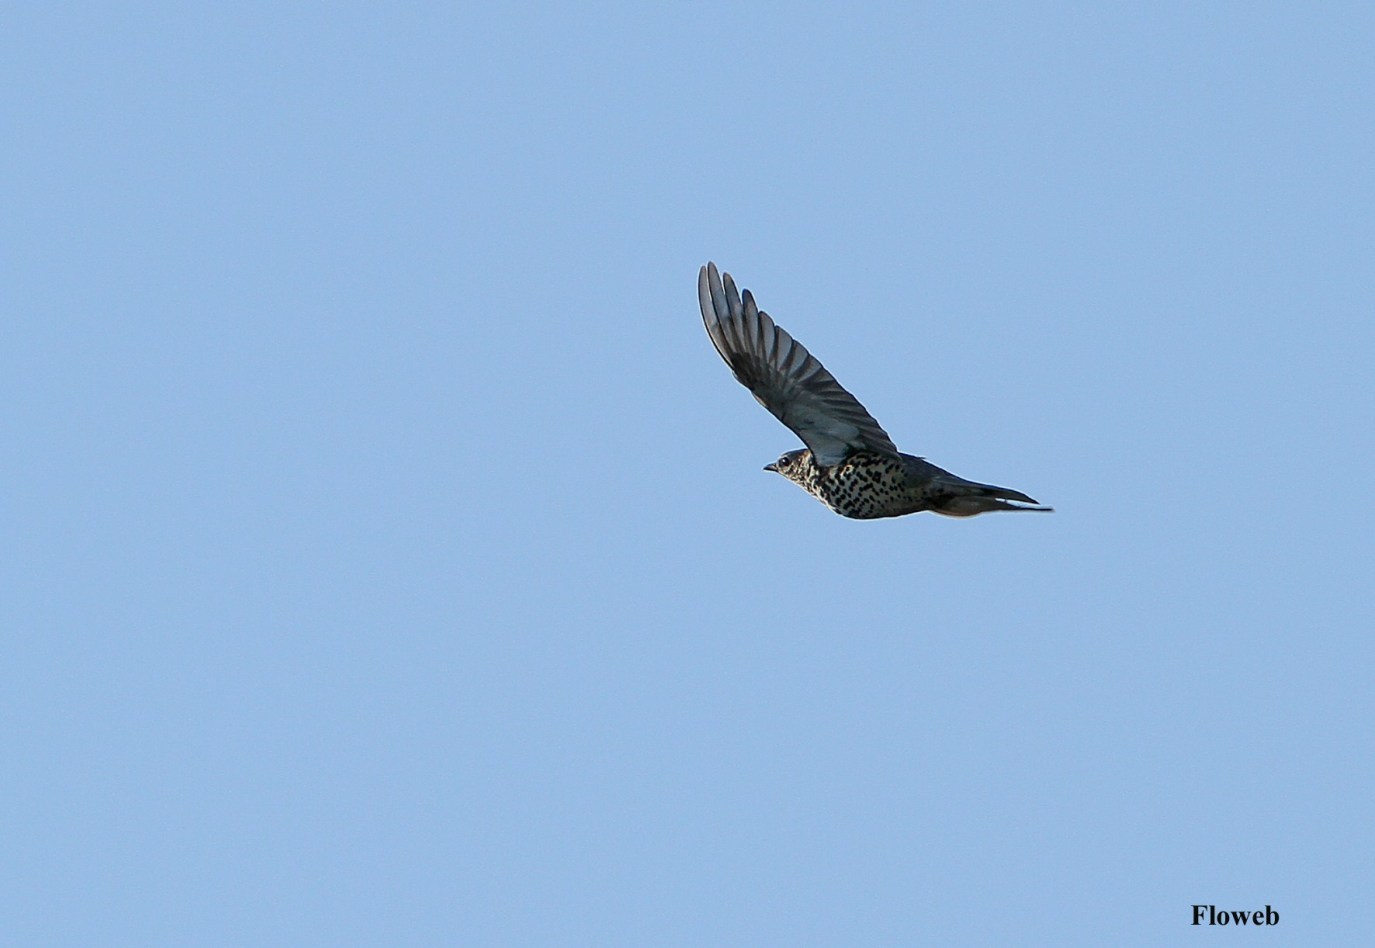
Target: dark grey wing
x: 784, y: 376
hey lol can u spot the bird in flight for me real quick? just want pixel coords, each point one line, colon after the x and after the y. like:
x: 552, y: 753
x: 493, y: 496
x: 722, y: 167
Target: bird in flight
x: 850, y: 464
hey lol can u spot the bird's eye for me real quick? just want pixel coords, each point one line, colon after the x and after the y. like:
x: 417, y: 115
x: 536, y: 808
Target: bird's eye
x: 784, y: 461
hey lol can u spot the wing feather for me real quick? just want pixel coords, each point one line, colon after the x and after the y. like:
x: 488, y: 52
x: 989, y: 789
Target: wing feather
x: 783, y: 376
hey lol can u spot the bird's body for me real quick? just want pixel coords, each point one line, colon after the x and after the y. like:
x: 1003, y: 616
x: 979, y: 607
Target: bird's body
x: 850, y: 464
x: 867, y: 486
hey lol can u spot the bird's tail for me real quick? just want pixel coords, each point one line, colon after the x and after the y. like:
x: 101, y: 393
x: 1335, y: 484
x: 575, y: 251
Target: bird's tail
x: 967, y: 498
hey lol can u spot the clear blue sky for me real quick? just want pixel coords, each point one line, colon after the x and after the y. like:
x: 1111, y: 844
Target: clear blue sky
x: 388, y: 559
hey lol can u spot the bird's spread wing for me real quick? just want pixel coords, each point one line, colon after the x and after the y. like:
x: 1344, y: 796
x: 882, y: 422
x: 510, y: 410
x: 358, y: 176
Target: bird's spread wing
x: 784, y: 376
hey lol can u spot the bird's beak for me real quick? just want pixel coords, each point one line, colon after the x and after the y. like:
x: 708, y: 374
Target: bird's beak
x: 771, y: 467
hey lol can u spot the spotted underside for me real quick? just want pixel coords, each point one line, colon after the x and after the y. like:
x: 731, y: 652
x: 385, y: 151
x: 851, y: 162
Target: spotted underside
x: 864, y: 486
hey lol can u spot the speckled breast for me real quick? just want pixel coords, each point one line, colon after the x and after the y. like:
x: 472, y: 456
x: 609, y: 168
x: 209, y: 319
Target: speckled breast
x: 864, y: 486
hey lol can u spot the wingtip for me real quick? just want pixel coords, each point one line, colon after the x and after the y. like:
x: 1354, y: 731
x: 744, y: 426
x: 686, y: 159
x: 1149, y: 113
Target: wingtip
x: 707, y: 274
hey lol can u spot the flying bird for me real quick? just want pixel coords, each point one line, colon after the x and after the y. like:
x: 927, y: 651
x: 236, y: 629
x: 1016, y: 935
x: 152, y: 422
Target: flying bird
x: 849, y: 462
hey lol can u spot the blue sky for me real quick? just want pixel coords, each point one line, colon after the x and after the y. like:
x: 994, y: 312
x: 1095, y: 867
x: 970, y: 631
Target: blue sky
x: 388, y: 556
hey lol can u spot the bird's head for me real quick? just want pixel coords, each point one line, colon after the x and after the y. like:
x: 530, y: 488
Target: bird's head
x: 792, y: 465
